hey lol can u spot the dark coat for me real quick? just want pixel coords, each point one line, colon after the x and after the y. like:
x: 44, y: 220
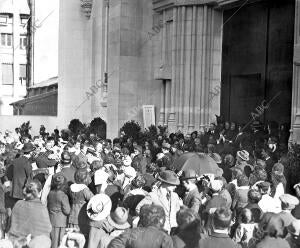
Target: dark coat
x: 59, y: 208
x: 21, y: 171
x: 139, y: 163
x: 193, y: 200
x: 217, y: 240
x: 30, y: 217
x: 146, y: 237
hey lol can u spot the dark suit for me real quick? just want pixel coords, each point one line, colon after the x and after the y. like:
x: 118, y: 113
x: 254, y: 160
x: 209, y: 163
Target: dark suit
x: 217, y: 240
x: 21, y: 172
x: 270, y: 242
x: 193, y: 200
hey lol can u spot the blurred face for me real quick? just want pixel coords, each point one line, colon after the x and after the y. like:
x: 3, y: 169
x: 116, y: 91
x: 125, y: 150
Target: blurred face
x: 99, y: 147
x: 232, y: 126
x: 48, y: 145
x: 227, y: 125
x: 71, y: 243
x: 77, y: 145
x: 2, y: 149
x: 127, y: 160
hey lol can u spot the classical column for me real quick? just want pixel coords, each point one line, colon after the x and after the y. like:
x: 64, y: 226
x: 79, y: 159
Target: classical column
x: 162, y: 107
x: 295, y: 117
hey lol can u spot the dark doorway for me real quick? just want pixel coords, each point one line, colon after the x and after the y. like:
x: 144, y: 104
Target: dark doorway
x: 257, y: 61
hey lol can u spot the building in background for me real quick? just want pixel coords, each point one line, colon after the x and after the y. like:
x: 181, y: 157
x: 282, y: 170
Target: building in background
x: 14, y: 15
x: 191, y: 59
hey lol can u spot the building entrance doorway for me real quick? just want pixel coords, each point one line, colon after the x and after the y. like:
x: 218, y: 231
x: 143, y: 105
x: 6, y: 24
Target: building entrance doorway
x: 257, y: 61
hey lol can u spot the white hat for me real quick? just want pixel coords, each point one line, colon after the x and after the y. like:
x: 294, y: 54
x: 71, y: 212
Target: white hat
x: 244, y: 155
x: 99, y: 206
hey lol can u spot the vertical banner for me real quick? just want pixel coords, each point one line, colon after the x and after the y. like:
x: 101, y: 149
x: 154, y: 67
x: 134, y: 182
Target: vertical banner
x: 148, y: 115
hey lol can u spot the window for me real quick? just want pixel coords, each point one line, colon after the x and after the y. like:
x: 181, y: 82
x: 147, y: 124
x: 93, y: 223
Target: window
x: 24, y: 21
x: 6, y: 40
x: 3, y: 19
x: 23, y: 42
x: 7, y: 74
x: 23, y: 75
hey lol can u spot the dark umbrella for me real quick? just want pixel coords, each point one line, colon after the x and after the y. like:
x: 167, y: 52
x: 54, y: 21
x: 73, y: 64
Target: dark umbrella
x: 200, y: 162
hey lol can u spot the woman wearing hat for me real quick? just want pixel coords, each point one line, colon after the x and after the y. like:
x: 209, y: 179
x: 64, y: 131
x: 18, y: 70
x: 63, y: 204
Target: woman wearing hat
x: 165, y: 196
x: 80, y: 194
x: 59, y: 208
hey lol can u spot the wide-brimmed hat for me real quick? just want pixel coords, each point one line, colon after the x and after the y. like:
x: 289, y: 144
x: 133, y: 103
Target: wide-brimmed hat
x: 189, y: 174
x: 289, y: 201
x: 244, y: 155
x: 99, y: 207
x: 118, y: 218
x: 294, y: 228
x: 168, y: 177
x: 28, y: 147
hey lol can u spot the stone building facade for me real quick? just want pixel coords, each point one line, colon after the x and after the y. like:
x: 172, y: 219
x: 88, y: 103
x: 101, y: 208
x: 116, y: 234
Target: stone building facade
x: 191, y: 59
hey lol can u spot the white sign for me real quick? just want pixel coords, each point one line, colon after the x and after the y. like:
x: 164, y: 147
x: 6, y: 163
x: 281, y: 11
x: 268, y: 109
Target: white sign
x: 148, y: 115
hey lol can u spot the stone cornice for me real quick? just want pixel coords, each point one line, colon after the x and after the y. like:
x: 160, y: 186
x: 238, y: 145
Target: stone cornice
x: 159, y: 5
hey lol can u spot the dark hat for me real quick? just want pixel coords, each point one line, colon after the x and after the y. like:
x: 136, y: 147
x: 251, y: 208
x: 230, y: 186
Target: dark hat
x: 189, y: 174
x: 264, y: 186
x: 168, y: 177
x: 28, y: 147
x: 118, y: 218
x: 65, y: 157
x: 58, y: 179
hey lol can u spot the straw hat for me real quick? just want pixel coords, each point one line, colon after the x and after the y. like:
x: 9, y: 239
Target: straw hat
x: 99, y: 206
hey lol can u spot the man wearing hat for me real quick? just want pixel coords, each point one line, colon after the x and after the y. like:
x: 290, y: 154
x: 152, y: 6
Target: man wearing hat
x: 67, y: 169
x: 20, y: 172
x: 294, y: 234
x: 192, y: 198
x: 165, y: 196
x: 288, y: 203
x: 242, y: 158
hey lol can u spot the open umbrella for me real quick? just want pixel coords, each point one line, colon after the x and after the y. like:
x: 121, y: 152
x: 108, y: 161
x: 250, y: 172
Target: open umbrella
x: 200, y: 162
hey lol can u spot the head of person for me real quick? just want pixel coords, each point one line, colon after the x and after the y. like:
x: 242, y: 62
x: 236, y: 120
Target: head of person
x: 59, y: 182
x: 227, y: 125
x: 229, y: 161
x: 232, y: 126
x: 216, y: 186
x: 32, y: 190
x: 273, y: 226
x: 49, y: 143
x: 246, y: 216
x: 138, y: 182
x: 152, y: 215
x: 185, y: 216
x: 189, y: 179
x: 254, y: 196
x: 138, y: 150
x: 98, y: 146
x: 242, y: 180
x: 96, y: 165
x: 65, y: 158
x: 84, y: 147
x: 222, y: 219
x: 81, y: 176
x: 264, y: 188
x: 236, y: 172
x: 169, y: 180
x: 127, y: 160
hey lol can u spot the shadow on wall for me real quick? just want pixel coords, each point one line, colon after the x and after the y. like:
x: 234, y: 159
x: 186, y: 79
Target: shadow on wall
x: 1, y: 103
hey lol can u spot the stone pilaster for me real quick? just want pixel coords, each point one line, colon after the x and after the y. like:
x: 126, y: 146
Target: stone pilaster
x: 295, y: 117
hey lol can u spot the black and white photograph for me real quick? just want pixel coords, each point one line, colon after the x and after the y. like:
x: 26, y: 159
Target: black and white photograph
x: 150, y: 124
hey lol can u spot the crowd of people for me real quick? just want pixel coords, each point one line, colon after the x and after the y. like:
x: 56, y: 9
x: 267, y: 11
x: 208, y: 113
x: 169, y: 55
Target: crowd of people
x: 85, y: 191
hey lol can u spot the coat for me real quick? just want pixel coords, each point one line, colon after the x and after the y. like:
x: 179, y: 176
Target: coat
x: 68, y: 173
x: 30, y: 217
x: 193, y: 200
x: 146, y: 237
x: 217, y: 240
x: 270, y: 242
x: 59, y: 208
x: 21, y: 171
x: 171, y: 206
x: 42, y: 161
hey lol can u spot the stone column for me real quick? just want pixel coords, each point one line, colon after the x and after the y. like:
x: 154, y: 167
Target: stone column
x: 196, y: 65
x: 295, y: 116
